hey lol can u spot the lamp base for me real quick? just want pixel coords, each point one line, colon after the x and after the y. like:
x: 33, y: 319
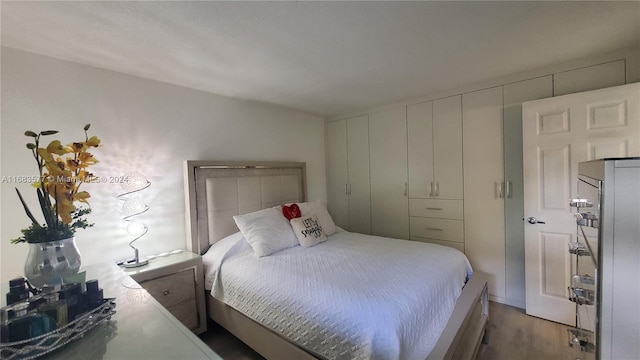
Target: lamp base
x: 133, y: 263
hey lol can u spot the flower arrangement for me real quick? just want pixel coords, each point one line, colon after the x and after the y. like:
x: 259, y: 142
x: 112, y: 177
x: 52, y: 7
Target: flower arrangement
x: 62, y: 170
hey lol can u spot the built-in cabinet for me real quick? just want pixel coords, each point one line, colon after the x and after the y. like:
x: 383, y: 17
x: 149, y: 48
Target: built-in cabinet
x: 514, y: 95
x: 349, y: 190
x: 484, y: 185
x: 449, y: 171
x: 434, y: 130
x: 434, y: 133
x: 388, y: 168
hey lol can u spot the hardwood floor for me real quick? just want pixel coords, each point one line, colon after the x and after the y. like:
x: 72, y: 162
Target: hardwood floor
x: 226, y: 345
x: 512, y: 335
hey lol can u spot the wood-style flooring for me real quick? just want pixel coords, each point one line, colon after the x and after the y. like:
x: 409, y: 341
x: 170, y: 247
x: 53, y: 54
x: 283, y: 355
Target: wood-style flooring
x: 512, y: 335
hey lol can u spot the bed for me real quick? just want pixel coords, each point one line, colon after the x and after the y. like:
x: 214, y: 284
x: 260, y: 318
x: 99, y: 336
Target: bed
x: 344, y: 298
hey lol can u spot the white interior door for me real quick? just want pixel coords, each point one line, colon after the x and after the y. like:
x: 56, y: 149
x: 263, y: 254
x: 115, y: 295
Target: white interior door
x: 558, y: 133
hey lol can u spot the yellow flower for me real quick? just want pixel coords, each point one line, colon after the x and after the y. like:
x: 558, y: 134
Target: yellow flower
x: 72, y: 164
x: 62, y: 170
x: 93, y: 141
x: 55, y: 147
x: 77, y: 147
x: 65, y: 208
x: 82, y: 196
x: 86, y: 159
x: 45, y: 155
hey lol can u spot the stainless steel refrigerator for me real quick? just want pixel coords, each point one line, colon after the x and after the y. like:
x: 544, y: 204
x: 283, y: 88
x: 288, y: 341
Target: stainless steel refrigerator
x: 605, y: 284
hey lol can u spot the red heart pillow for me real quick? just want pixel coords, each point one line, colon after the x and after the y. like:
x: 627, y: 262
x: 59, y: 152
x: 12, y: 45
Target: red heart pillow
x: 291, y: 212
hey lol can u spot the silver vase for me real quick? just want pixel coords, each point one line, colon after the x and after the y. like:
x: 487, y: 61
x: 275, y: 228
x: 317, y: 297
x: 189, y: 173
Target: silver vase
x: 49, y: 263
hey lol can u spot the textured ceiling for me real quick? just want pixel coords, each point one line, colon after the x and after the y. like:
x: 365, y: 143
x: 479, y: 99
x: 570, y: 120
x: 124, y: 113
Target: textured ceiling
x: 325, y: 58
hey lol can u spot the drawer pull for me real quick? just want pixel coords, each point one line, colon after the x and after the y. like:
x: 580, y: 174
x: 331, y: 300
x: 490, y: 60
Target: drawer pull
x: 432, y: 208
x: 434, y: 229
x: 166, y: 292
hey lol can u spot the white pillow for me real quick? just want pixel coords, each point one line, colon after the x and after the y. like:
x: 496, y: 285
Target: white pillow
x: 308, y: 230
x: 267, y: 231
x: 317, y: 209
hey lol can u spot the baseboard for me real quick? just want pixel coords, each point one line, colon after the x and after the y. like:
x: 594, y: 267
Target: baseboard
x: 510, y: 302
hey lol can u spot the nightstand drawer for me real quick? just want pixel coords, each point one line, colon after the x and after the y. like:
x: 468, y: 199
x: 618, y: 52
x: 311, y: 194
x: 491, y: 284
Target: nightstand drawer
x: 172, y: 289
x: 186, y: 313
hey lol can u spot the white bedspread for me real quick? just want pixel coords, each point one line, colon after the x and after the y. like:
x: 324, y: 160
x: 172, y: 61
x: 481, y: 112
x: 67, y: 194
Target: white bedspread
x: 352, y: 297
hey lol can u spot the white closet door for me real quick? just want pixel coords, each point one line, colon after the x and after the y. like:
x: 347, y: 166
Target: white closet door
x: 389, y: 192
x: 447, y: 147
x: 420, y: 149
x: 337, y: 173
x: 483, y: 175
x: 359, y: 186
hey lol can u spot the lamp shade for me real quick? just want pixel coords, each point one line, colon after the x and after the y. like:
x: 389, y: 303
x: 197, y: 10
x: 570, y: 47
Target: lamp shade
x: 133, y: 206
x: 134, y: 181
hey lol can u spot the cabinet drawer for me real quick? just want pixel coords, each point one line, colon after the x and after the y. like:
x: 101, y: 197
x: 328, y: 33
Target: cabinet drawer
x: 186, y: 312
x: 436, y: 208
x: 440, y: 229
x: 172, y: 289
x: 453, y: 244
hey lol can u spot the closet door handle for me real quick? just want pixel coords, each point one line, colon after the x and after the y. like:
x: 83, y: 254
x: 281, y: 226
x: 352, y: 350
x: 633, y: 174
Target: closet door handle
x: 434, y: 229
x: 431, y: 188
x: 507, y: 189
x: 406, y: 189
x: 499, y: 190
x: 349, y: 188
x: 346, y: 189
x: 433, y: 208
x: 437, y: 189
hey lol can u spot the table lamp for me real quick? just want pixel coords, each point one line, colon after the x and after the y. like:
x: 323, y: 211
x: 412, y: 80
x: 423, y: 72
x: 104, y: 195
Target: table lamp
x: 133, y: 206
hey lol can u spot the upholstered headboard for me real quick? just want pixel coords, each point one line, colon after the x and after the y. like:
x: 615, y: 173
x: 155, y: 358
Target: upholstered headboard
x: 218, y: 190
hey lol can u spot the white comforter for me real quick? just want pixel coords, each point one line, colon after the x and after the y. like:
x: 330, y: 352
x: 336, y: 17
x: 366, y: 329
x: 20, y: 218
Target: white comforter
x: 352, y: 297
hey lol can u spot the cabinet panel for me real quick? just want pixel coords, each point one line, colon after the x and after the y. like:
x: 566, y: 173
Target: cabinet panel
x: 447, y: 147
x: 434, y: 133
x: 514, y: 95
x: 455, y: 245
x: 337, y: 175
x: 589, y: 78
x: 420, y: 149
x: 435, y: 208
x: 184, y: 312
x: 441, y: 229
x: 359, y: 200
x: 388, y: 154
x: 484, y: 172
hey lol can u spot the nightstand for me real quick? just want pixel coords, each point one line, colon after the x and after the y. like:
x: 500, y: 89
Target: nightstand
x: 177, y: 282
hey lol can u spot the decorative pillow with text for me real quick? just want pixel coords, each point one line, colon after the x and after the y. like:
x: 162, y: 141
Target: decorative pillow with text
x: 308, y: 230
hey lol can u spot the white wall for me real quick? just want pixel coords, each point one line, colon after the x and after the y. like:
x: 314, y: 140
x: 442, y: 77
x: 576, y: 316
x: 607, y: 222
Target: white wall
x: 144, y: 125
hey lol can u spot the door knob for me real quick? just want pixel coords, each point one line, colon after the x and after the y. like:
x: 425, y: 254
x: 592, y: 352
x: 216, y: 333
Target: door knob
x: 534, y: 221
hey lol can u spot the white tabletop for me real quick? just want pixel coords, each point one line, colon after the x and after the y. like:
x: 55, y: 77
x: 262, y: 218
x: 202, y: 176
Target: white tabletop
x: 140, y: 329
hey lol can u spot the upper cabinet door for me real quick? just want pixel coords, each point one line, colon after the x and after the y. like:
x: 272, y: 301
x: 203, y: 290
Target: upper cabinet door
x: 420, y: 149
x: 434, y: 133
x: 359, y: 189
x: 337, y: 173
x: 389, y: 187
x: 447, y: 148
